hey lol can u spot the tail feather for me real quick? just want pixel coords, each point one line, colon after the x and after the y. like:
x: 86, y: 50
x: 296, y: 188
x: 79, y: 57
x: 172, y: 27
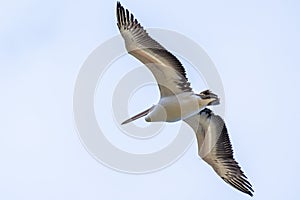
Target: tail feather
x: 207, y: 94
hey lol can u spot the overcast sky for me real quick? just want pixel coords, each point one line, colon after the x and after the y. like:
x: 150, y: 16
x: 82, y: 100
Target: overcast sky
x: 254, y: 46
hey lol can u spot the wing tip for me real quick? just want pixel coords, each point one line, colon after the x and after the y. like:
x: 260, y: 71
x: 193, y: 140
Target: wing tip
x: 124, y: 18
x: 249, y: 192
x: 119, y: 4
x: 119, y: 7
x: 242, y: 185
x: 120, y: 15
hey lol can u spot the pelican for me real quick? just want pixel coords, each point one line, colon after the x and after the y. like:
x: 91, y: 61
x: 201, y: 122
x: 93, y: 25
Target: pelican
x: 179, y: 102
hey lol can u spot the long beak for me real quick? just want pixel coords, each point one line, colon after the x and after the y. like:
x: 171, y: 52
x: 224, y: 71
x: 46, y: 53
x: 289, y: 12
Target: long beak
x: 142, y: 114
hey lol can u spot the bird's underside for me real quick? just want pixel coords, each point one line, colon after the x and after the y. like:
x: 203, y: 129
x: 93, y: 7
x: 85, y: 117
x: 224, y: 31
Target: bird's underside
x: 214, y: 145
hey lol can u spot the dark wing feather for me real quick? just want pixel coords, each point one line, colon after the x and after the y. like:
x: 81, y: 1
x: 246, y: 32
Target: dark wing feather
x: 215, y: 148
x: 166, y: 68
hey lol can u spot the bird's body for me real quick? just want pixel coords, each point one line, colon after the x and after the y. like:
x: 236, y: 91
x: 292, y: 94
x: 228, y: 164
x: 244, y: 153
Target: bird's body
x: 179, y: 102
x: 177, y: 107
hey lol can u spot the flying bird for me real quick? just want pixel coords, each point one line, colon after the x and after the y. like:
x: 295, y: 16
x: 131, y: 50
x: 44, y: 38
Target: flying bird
x: 179, y: 102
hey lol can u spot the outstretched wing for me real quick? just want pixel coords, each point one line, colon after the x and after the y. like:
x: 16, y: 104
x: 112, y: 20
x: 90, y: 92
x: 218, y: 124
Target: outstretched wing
x: 166, y: 68
x: 214, y: 147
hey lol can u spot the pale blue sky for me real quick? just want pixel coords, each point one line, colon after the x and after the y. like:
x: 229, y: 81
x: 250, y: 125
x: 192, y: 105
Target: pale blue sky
x: 254, y: 45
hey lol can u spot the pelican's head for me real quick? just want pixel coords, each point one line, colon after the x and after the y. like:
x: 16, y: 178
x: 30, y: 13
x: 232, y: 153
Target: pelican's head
x: 210, y: 98
x: 148, y: 119
x: 158, y: 114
